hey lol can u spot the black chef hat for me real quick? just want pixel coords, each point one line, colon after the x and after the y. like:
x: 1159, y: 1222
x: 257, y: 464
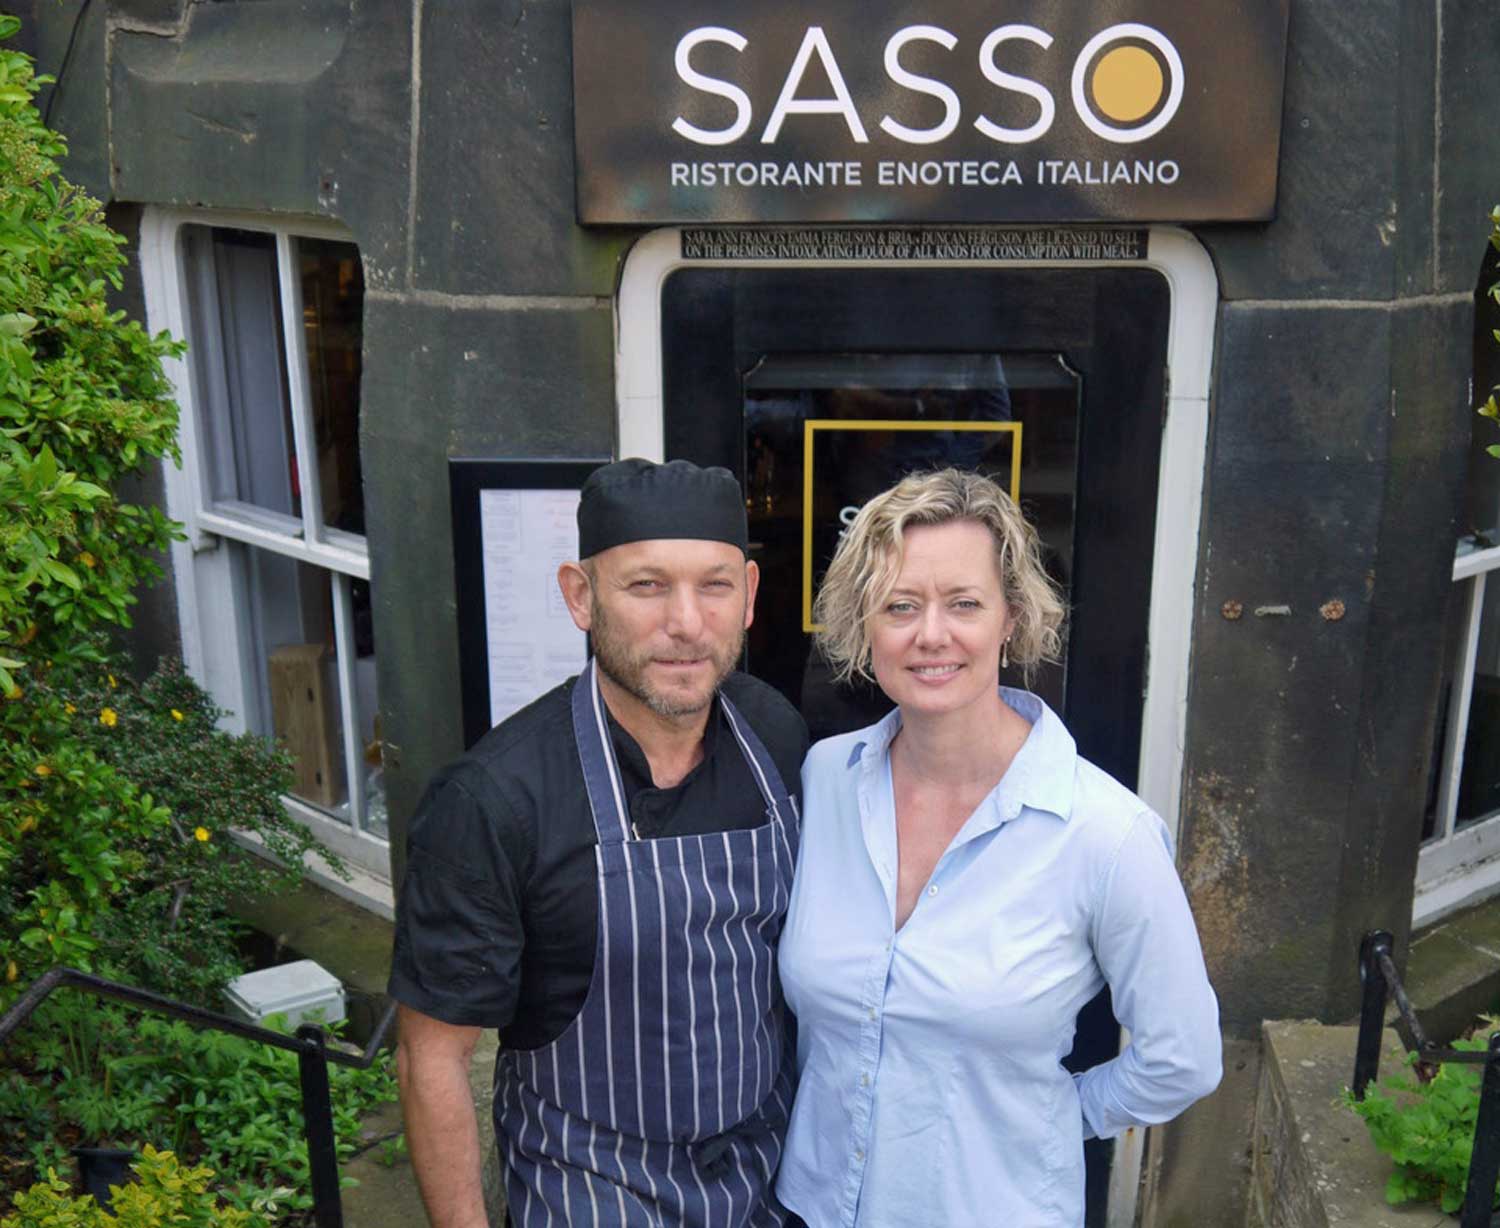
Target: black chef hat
x: 636, y: 500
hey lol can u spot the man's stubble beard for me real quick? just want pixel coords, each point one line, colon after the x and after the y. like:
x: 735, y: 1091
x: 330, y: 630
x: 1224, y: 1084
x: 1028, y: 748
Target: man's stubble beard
x: 626, y: 667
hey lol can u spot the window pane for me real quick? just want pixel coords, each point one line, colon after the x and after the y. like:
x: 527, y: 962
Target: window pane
x: 238, y: 358
x: 333, y: 298
x: 293, y: 679
x: 367, y: 711
x: 1479, y: 786
x: 1453, y: 646
x: 291, y: 668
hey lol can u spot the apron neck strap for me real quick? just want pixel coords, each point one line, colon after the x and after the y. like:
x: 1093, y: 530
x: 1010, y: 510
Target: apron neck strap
x: 762, y: 766
x: 596, y: 753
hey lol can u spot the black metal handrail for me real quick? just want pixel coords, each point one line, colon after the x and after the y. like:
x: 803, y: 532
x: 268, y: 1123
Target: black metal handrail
x: 1379, y: 979
x: 310, y: 1044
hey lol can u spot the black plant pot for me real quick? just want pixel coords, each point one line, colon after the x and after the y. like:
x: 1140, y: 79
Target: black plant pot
x: 101, y: 1167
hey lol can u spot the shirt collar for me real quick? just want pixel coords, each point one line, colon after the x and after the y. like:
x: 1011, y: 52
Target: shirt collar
x: 1041, y: 775
x: 632, y: 759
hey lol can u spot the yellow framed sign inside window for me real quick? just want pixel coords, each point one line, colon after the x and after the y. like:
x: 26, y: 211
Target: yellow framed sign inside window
x: 810, y: 431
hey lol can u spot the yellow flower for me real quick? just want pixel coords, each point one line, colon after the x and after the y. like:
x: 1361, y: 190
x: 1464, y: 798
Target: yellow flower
x: 69, y: 709
x: 43, y: 769
x: 200, y: 834
x: 112, y: 682
x: 176, y: 715
x: 108, y: 718
x: 87, y: 559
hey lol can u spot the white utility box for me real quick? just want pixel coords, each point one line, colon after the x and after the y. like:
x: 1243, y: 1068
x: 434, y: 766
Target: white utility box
x: 300, y: 991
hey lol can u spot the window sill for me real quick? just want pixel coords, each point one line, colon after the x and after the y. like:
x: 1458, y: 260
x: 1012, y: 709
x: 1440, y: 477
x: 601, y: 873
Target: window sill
x: 1463, y: 882
x: 364, y: 888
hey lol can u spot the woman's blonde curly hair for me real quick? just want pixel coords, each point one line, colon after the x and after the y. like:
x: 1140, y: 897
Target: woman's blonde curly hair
x: 868, y: 561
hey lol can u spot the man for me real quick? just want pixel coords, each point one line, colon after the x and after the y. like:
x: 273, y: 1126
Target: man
x: 603, y: 878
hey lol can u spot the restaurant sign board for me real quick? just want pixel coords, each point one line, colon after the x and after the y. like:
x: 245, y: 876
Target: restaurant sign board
x: 927, y: 110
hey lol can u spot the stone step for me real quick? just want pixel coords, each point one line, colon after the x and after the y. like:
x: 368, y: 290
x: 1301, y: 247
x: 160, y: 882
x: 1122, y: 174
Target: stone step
x: 1314, y: 1164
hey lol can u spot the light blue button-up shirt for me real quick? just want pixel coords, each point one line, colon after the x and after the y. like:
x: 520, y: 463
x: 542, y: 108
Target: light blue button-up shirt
x: 931, y: 1088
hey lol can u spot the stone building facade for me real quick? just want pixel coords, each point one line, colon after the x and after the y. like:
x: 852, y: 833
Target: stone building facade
x: 1323, y: 633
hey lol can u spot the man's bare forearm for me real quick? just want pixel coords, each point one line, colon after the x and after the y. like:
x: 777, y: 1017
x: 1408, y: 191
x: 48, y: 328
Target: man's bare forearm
x: 442, y: 1131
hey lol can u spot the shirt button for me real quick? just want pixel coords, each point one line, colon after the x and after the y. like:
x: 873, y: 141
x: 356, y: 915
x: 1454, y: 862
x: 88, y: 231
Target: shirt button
x: 932, y: 890
x: 859, y: 1153
x: 872, y: 1012
x: 864, y: 1080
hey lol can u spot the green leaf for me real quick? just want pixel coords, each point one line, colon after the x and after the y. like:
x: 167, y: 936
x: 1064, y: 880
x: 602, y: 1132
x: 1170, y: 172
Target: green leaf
x: 62, y: 573
x: 17, y: 324
x: 45, y: 467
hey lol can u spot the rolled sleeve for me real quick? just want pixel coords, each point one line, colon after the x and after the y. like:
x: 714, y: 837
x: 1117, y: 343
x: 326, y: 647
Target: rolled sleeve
x: 1147, y: 947
x: 459, y: 937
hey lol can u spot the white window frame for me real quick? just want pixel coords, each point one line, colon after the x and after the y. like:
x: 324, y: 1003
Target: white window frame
x: 213, y: 646
x: 1456, y: 868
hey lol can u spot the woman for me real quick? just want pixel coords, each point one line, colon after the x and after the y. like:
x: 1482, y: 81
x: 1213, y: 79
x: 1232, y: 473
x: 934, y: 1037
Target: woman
x: 965, y: 884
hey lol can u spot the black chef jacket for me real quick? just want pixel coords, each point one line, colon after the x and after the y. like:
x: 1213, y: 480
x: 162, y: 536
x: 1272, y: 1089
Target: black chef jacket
x: 498, y: 915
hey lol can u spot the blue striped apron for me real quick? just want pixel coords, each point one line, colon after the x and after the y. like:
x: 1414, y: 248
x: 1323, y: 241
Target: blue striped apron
x: 665, y: 1101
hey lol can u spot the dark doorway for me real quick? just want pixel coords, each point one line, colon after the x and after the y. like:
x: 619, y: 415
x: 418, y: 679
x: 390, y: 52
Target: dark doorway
x: 821, y: 387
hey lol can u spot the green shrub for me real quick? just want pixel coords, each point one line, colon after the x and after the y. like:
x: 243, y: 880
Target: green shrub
x: 111, y: 1077
x: 83, y: 401
x: 117, y: 796
x: 165, y: 1193
x: 1427, y: 1129
x: 126, y: 793
x: 115, y: 799
x: 118, y: 859
x: 115, y: 853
